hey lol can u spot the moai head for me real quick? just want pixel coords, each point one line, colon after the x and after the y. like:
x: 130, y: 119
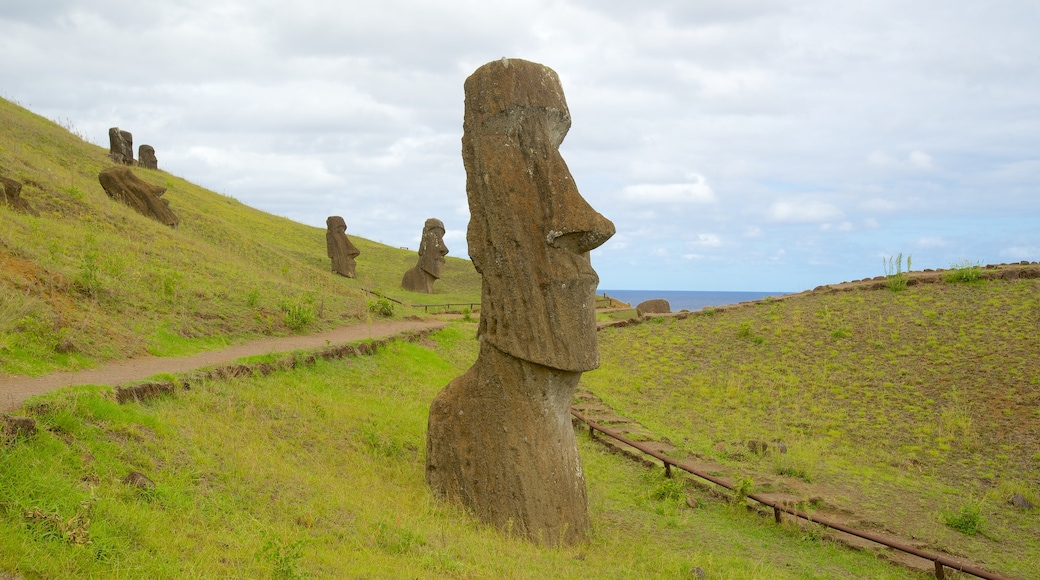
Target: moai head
x: 146, y: 157
x: 530, y: 231
x: 432, y: 249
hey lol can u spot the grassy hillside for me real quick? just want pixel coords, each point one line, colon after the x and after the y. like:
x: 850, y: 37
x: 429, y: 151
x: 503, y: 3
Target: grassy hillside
x: 318, y: 472
x: 913, y: 410
x: 90, y: 280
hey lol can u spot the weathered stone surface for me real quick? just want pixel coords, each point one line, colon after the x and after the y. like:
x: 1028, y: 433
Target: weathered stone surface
x: 121, y: 184
x: 146, y: 157
x: 339, y: 248
x: 500, y: 440
x: 139, y: 480
x: 431, y: 259
x: 120, y: 146
x: 1019, y: 501
x: 655, y: 306
x: 11, y: 195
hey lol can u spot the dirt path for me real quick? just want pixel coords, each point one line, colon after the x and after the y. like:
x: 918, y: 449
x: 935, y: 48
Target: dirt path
x: 15, y: 390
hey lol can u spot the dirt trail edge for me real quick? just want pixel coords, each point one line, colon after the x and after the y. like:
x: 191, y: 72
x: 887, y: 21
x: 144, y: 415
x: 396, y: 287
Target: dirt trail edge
x: 15, y: 390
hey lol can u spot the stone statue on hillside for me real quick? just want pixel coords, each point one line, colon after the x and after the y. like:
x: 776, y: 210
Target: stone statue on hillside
x: 431, y: 259
x: 121, y: 146
x: 339, y: 248
x: 120, y: 183
x: 11, y: 196
x: 500, y: 440
x: 146, y: 157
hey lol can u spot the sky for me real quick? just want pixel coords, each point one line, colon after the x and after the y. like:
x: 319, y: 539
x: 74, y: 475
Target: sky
x: 751, y: 145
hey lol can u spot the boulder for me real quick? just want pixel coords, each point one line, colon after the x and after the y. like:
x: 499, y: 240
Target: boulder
x: 655, y: 306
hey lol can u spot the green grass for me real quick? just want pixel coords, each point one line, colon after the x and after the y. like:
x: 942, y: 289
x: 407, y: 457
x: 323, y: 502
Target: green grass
x: 90, y: 280
x: 318, y: 473
x: 893, y: 406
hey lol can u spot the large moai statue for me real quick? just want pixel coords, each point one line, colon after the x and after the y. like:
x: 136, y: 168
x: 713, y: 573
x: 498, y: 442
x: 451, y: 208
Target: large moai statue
x: 431, y: 259
x: 120, y: 146
x: 500, y: 440
x: 146, y: 157
x: 339, y: 248
x: 121, y: 184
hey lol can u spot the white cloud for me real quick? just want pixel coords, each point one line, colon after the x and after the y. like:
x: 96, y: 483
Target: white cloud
x: 706, y: 241
x: 932, y: 242
x: 920, y: 160
x: 696, y: 192
x: 803, y: 212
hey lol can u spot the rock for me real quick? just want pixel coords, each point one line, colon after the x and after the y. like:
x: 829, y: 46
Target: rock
x: 11, y: 195
x: 431, y: 259
x: 1019, y: 501
x: 120, y: 146
x: 139, y: 480
x: 339, y: 248
x: 146, y: 157
x: 758, y: 447
x: 13, y: 426
x: 499, y: 440
x: 655, y: 306
x: 121, y: 184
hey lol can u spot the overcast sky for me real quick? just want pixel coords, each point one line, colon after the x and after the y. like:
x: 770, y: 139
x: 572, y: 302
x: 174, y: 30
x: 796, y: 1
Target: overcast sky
x: 771, y: 145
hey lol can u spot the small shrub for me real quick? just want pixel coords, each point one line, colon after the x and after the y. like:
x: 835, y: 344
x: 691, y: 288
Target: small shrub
x: 282, y: 557
x: 299, y: 313
x: 88, y: 279
x: 381, y: 307
x: 964, y: 272
x: 967, y: 520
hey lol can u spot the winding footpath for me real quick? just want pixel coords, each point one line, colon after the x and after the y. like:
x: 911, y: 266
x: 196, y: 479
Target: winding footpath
x: 15, y: 389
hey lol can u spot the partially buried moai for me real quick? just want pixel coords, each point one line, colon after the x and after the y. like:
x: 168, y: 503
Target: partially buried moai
x: 146, y: 157
x: 339, y: 248
x: 431, y: 259
x: 500, y: 439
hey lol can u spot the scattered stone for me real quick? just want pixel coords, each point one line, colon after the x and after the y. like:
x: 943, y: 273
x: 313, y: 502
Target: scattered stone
x: 500, y: 440
x: 431, y: 259
x: 339, y: 247
x: 1019, y: 501
x: 11, y: 195
x: 698, y: 573
x: 13, y: 426
x: 146, y: 157
x: 655, y: 306
x: 758, y: 447
x: 139, y: 480
x: 121, y: 184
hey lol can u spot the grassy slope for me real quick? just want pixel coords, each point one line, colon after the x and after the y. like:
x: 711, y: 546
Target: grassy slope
x: 318, y: 472
x: 897, y: 406
x: 90, y: 280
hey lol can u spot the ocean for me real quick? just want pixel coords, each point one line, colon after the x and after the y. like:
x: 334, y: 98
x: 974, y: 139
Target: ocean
x: 686, y: 300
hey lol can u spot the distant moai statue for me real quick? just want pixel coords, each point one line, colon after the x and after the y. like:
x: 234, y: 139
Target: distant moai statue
x: 146, y: 157
x: 120, y: 183
x: 120, y: 146
x: 431, y: 259
x: 499, y: 438
x: 11, y: 196
x: 339, y: 248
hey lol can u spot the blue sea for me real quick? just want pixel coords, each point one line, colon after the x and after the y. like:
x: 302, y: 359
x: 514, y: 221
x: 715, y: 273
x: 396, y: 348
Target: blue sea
x: 687, y: 300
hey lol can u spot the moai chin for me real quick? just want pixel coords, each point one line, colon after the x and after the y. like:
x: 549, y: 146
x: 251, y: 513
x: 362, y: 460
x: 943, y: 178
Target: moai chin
x: 431, y: 259
x: 339, y: 247
x: 500, y: 440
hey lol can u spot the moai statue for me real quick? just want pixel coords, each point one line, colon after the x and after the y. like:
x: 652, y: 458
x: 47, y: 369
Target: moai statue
x: 120, y: 183
x: 146, y: 157
x: 11, y: 196
x: 431, y: 259
x: 500, y: 440
x: 120, y: 146
x: 339, y: 247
